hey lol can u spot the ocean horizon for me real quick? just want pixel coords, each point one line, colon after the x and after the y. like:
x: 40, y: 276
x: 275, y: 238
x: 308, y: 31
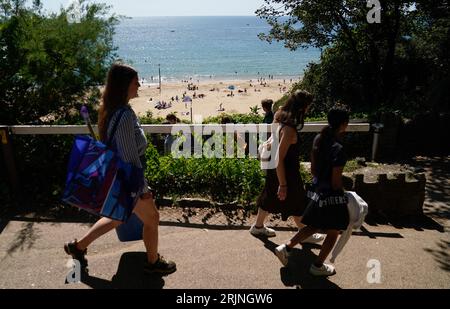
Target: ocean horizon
x: 205, y: 48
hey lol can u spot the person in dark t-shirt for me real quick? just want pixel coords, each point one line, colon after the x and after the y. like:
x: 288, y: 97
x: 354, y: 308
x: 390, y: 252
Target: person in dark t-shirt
x: 327, y: 208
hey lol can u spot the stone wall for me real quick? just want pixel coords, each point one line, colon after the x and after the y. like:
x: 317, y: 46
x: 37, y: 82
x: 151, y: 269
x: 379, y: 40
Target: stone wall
x: 393, y: 197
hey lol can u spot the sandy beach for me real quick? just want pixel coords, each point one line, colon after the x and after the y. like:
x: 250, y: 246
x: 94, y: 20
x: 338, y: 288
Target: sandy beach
x: 208, y: 96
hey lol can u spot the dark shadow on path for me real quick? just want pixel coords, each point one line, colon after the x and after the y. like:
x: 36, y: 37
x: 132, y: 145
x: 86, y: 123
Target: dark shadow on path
x: 25, y: 238
x: 296, y: 273
x: 129, y: 275
x: 418, y: 223
x: 442, y: 254
x: 437, y: 171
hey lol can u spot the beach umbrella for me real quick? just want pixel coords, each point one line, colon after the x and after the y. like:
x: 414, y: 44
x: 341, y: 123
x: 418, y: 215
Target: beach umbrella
x: 232, y: 88
x: 187, y: 99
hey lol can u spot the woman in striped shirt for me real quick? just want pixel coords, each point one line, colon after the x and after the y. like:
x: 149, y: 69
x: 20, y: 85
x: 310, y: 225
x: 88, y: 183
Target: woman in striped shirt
x: 130, y: 143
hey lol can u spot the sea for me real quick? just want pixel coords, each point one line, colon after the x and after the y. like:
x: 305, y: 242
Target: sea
x: 202, y: 48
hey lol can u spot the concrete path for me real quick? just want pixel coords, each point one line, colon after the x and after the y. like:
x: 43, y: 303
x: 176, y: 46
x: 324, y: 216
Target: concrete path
x: 32, y: 257
x: 218, y: 257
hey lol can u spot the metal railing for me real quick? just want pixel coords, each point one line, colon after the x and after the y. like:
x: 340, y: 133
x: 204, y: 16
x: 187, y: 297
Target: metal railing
x: 157, y: 129
x: 6, y: 133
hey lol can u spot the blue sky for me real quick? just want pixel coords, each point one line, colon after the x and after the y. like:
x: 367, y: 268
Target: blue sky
x: 173, y: 7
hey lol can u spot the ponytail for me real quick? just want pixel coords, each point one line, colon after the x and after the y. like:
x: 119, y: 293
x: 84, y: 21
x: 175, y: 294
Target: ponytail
x: 325, y: 139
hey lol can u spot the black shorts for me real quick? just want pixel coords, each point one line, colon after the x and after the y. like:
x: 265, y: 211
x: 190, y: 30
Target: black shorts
x: 326, y: 211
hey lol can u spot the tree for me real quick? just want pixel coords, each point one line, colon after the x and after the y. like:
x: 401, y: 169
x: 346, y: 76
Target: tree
x: 49, y: 66
x: 363, y: 64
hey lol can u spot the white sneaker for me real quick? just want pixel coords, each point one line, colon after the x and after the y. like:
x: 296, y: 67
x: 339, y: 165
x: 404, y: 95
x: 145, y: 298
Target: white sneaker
x: 263, y: 231
x: 282, y: 254
x: 324, y: 271
x: 314, y: 239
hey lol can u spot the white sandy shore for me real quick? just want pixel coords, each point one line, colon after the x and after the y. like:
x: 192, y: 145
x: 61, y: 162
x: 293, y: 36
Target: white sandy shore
x: 209, y: 105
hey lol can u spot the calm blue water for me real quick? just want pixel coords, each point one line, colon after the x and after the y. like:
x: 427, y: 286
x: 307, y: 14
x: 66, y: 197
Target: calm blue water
x: 201, y: 47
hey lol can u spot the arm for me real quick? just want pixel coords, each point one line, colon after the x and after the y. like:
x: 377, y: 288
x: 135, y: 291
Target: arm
x: 313, y: 165
x: 287, y: 136
x: 313, y: 159
x: 336, y: 178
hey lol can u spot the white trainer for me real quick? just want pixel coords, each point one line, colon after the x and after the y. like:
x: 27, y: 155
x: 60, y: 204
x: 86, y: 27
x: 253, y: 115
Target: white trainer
x: 314, y: 239
x: 282, y: 254
x: 262, y: 231
x: 324, y: 271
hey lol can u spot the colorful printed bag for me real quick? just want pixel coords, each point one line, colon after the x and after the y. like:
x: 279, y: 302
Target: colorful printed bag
x: 99, y: 182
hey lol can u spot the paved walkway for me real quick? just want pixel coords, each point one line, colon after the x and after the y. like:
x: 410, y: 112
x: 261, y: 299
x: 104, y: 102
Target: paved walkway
x: 218, y: 256
x: 32, y: 257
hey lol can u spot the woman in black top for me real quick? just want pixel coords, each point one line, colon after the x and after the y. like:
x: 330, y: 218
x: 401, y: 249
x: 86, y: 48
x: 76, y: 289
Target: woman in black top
x: 284, y: 190
x: 327, y: 209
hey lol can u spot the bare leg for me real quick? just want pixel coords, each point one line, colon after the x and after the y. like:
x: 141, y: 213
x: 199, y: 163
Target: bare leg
x: 327, y: 246
x: 148, y: 213
x: 261, y: 217
x: 301, y: 236
x: 100, y: 228
x: 298, y: 222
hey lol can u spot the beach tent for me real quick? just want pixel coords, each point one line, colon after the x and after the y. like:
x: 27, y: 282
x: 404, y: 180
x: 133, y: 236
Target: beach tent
x: 232, y: 88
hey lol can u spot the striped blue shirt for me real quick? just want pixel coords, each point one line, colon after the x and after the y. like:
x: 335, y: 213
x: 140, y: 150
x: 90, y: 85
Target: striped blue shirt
x: 129, y: 139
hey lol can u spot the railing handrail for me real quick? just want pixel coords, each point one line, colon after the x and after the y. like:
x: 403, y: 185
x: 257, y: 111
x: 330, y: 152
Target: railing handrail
x: 156, y: 129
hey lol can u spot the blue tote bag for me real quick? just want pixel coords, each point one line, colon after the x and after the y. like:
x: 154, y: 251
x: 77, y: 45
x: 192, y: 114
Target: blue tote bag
x: 99, y: 182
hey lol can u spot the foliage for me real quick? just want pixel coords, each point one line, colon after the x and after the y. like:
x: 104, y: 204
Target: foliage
x: 255, y: 109
x: 351, y: 166
x: 235, y: 118
x: 49, y: 67
x: 41, y: 163
x: 149, y: 119
x: 223, y: 180
x: 401, y: 63
x: 317, y: 111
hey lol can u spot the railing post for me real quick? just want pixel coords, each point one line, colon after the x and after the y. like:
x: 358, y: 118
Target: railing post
x: 377, y: 128
x: 8, y: 155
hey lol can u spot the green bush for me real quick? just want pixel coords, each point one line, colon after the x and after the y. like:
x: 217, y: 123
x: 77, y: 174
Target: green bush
x: 401, y: 64
x: 41, y: 163
x: 236, y: 118
x: 222, y: 180
x: 49, y: 67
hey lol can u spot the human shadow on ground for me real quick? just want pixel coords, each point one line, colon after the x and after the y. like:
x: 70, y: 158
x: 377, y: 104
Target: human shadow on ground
x: 296, y: 273
x: 129, y: 275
